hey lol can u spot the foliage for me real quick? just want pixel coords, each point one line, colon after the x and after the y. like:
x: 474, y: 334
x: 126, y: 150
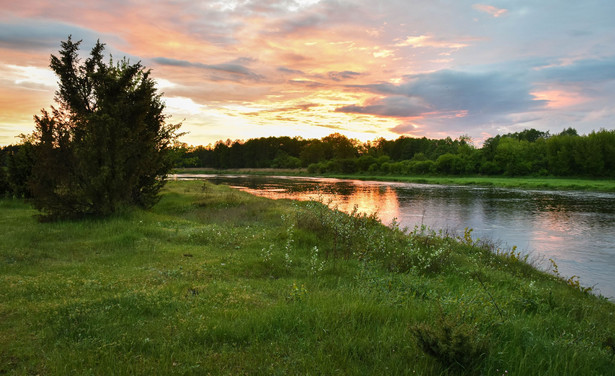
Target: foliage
x: 456, y: 345
x: 526, y: 153
x: 4, y: 183
x: 106, y: 145
x: 20, y: 160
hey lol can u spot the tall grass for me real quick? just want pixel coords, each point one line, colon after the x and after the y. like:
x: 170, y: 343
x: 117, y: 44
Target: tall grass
x: 215, y: 281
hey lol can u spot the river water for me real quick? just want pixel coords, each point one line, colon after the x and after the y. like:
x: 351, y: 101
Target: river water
x: 575, y: 229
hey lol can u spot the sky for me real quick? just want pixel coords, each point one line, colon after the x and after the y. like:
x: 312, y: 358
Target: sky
x: 240, y: 69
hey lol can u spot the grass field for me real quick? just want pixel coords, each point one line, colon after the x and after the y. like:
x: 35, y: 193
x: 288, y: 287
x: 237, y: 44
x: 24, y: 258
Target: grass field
x: 215, y: 281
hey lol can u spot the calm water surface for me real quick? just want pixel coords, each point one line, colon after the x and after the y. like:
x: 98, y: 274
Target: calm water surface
x: 576, y: 229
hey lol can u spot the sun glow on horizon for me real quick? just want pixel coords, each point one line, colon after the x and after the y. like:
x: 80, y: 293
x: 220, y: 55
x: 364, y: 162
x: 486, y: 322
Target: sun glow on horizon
x: 245, y: 69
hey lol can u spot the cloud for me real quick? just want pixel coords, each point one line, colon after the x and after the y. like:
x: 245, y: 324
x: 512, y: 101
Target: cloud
x: 234, y: 70
x: 299, y: 107
x: 299, y: 24
x: 490, y: 9
x: 37, y: 34
x: 342, y: 76
x: 429, y: 41
x: 587, y: 70
x: 290, y: 71
x: 475, y: 92
x: 307, y: 83
x: 395, y: 106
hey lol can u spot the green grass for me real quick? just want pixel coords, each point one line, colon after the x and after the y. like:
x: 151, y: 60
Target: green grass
x: 215, y: 281
x: 527, y: 182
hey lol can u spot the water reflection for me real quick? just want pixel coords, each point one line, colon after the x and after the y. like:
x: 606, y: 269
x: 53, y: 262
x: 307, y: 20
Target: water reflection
x: 368, y: 198
x: 573, y: 228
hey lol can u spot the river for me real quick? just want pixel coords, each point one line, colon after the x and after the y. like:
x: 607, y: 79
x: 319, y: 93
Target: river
x: 575, y: 229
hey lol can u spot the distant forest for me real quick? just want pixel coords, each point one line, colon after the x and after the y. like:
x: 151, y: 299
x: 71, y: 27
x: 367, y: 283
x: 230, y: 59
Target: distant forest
x: 526, y: 153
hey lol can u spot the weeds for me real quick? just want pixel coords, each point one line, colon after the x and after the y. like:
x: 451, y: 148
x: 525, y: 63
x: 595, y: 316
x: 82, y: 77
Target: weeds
x: 316, y: 266
x: 573, y: 281
x: 361, y: 236
x: 297, y: 293
x: 266, y: 254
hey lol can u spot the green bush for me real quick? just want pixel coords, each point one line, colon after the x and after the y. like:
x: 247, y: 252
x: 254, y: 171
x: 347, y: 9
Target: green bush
x: 454, y: 344
x: 107, y: 145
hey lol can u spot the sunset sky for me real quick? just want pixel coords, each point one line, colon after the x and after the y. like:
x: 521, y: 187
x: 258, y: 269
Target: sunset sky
x: 242, y: 69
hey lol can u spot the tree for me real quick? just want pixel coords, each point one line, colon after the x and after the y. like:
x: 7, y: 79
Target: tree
x: 20, y: 161
x: 4, y: 183
x: 106, y: 145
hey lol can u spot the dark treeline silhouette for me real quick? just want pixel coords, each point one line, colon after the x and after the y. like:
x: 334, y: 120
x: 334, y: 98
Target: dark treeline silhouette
x: 525, y: 153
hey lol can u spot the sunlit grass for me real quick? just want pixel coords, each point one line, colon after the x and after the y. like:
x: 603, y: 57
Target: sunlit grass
x: 528, y: 182
x: 213, y: 280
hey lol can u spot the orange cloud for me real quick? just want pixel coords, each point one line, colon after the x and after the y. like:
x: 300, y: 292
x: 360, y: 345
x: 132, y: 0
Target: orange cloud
x: 557, y: 99
x: 491, y: 10
x: 429, y: 41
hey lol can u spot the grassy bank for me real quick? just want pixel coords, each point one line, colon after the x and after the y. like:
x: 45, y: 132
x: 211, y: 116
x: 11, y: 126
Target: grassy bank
x: 527, y: 182
x: 213, y: 280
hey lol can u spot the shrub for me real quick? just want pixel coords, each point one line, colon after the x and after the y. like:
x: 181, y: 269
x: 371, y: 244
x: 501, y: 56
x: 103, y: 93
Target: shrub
x: 20, y: 162
x: 455, y: 345
x: 106, y: 145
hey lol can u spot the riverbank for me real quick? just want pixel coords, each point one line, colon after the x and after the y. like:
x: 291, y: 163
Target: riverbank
x: 213, y: 280
x: 538, y: 183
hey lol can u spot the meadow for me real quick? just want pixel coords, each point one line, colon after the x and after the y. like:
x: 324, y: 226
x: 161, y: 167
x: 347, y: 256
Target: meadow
x: 216, y: 281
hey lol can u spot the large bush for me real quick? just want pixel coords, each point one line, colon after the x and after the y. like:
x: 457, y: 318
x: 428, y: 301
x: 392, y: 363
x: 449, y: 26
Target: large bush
x: 106, y: 145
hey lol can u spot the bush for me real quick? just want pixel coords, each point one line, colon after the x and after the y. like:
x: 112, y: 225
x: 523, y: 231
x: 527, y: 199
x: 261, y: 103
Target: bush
x: 490, y: 168
x: 424, y: 167
x: 20, y: 162
x: 364, y: 162
x: 313, y: 168
x: 107, y: 145
x: 453, y: 344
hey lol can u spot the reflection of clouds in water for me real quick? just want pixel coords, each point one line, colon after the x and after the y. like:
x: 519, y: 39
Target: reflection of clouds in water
x: 369, y: 199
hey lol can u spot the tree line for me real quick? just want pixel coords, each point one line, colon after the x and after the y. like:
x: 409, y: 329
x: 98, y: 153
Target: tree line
x: 527, y: 153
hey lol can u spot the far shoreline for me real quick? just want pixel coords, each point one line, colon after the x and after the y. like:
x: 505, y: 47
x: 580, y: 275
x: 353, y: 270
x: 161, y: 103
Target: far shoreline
x: 524, y: 182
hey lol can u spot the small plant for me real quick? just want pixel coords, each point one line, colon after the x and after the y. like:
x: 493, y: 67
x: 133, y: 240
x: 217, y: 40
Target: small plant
x: 467, y: 236
x: 316, y: 266
x: 454, y: 345
x: 297, y: 293
x: 267, y: 253
x: 554, y: 268
x: 576, y: 283
x: 514, y: 255
x: 288, y: 247
x: 430, y: 259
x: 288, y: 261
x: 573, y: 281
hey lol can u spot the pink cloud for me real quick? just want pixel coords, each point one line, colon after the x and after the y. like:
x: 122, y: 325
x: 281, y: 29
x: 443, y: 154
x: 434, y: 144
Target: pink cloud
x: 490, y: 9
x: 429, y: 41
